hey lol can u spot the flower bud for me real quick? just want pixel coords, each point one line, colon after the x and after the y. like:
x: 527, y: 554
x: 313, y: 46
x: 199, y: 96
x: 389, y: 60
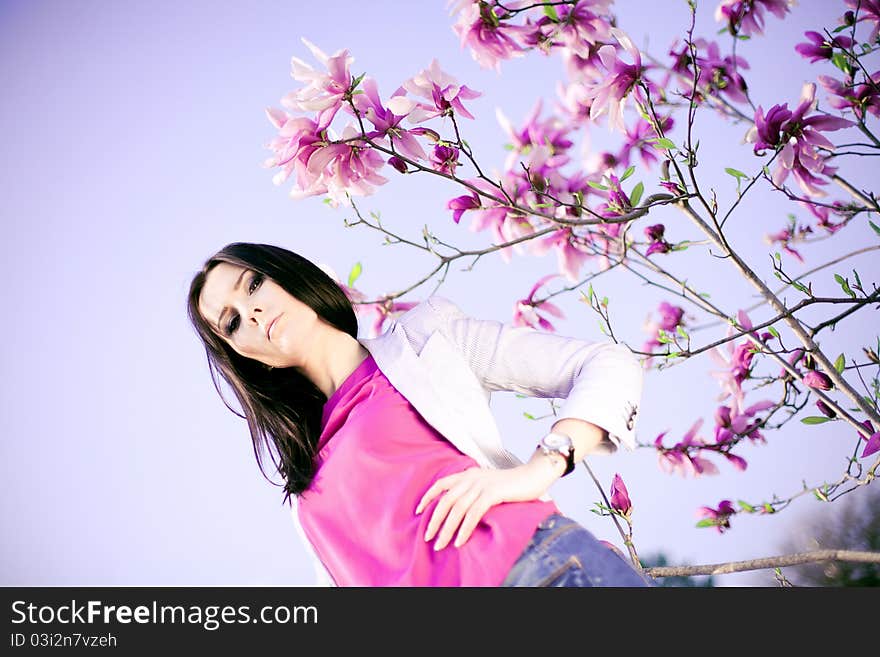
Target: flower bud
x: 825, y: 409
x: 818, y: 380
x: 397, y: 163
x: 655, y: 232
x: 619, y: 496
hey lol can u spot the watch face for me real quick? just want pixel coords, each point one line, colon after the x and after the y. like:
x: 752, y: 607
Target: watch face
x: 556, y: 441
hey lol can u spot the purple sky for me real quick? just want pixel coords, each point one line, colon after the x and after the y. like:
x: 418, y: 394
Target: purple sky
x: 133, y: 139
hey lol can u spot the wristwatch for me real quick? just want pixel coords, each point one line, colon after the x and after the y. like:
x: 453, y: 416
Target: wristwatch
x: 559, y: 443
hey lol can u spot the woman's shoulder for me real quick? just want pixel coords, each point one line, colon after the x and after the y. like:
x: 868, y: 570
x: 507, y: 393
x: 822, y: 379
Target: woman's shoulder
x: 431, y: 314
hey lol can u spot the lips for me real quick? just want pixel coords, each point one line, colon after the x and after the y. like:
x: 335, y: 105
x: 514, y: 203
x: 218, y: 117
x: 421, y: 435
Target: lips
x: 269, y: 328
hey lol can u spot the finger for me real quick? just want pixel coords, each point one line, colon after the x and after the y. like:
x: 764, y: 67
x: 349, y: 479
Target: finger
x: 471, y: 519
x: 442, y: 508
x: 444, y: 483
x: 438, y: 487
x: 453, y: 518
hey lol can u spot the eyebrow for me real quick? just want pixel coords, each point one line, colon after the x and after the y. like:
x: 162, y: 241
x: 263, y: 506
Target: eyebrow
x: 225, y: 308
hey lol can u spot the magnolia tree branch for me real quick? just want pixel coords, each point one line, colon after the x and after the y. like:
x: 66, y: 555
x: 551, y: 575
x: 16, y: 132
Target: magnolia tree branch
x: 825, y: 265
x: 795, y: 326
x: 766, y: 562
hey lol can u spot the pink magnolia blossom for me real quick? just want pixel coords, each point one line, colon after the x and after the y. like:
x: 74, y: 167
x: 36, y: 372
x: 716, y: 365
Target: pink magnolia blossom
x: 823, y: 216
x: 786, y: 236
x: 658, y: 242
x: 846, y: 95
x: 505, y: 224
x: 579, y: 27
x: 387, y: 124
x: 298, y: 138
x: 461, y: 204
x: 570, y: 253
x: 736, y: 365
x: 679, y: 459
x: 799, y: 138
x: 872, y: 444
x: 609, y: 94
x: 737, y: 462
x: 720, y: 517
x: 671, y: 317
x: 716, y: 73
x: 325, y: 91
x: 442, y: 92
x: 640, y: 139
x: 620, y: 496
x: 550, y: 134
x: 730, y: 422
x: 347, y: 167
x: 747, y: 16
x: 527, y: 313
x: 444, y: 159
x: 818, y: 47
x: 482, y: 27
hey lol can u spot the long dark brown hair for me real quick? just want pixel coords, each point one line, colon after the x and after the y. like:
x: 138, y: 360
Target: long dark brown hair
x: 281, y: 405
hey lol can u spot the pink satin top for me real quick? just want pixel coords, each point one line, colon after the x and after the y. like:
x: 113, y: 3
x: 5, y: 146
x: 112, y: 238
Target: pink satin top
x: 377, y: 457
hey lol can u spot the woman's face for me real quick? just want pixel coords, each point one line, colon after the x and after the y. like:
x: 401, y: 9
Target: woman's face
x: 256, y: 316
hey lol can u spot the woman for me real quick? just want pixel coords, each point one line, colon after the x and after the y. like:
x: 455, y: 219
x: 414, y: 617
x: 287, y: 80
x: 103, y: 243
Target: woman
x: 388, y: 446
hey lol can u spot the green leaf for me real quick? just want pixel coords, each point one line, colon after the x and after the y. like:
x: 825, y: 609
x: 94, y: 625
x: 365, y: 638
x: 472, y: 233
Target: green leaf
x: 736, y: 173
x: 629, y: 171
x: 357, y: 80
x: 528, y: 415
x: 680, y: 330
x: 839, y: 363
x: 839, y: 60
x: 354, y: 274
x: 772, y: 331
x: 508, y: 147
x: 596, y: 185
x: 874, y: 226
x: 745, y: 506
x: 844, y: 285
x: 664, y: 143
x: 799, y: 287
x: 707, y: 522
x: 815, y: 419
x: 636, y: 194
x: 550, y: 12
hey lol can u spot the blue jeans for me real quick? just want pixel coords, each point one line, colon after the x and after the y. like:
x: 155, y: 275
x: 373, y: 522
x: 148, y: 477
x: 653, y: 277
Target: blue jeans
x: 563, y: 553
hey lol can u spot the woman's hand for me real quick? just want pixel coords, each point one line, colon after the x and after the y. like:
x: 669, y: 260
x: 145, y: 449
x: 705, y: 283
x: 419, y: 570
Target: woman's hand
x: 469, y: 494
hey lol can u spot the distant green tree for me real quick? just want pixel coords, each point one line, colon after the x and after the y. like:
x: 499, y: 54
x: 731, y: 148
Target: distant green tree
x: 853, y: 524
x: 659, y: 559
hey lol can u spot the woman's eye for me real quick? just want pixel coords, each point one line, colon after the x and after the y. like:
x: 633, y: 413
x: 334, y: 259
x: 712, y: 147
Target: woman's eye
x: 256, y: 281
x: 232, y: 325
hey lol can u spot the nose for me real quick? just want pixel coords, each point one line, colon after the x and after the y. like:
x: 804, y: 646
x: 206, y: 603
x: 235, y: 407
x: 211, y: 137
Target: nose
x: 256, y: 315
